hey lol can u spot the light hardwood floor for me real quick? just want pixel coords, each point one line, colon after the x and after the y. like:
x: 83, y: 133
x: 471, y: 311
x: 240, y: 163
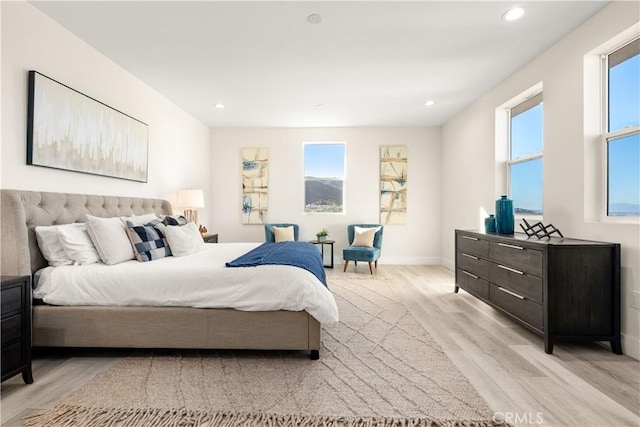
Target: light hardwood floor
x: 579, y: 385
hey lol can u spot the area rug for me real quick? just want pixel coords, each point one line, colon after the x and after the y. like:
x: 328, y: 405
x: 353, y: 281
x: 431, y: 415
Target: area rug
x: 377, y: 367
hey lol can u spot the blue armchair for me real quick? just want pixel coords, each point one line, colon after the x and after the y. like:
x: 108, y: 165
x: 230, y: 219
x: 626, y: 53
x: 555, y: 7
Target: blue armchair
x: 270, y: 236
x: 363, y: 253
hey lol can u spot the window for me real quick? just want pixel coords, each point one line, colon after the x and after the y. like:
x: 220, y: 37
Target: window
x: 525, y: 156
x: 622, y: 130
x: 324, y: 177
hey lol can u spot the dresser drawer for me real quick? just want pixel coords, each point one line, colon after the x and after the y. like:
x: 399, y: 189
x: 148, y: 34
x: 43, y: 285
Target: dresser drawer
x: 472, y: 245
x: 11, y: 300
x: 11, y: 357
x: 518, y: 257
x: 11, y: 328
x: 521, y: 283
x: 472, y: 283
x: 473, y: 264
x: 518, y: 305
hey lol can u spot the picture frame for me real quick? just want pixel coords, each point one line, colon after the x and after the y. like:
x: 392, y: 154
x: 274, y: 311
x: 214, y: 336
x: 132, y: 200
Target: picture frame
x: 69, y: 130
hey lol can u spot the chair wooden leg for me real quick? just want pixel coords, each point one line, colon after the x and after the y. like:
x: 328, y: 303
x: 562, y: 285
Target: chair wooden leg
x: 355, y: 263
x: 346, y: 264
x: 376, y: 264
x: 371, y: 268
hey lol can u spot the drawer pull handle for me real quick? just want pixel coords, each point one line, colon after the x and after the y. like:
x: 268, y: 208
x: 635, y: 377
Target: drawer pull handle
x: 504, y: 267
x: 470, y: 238
x: 506, y: 245
x: 513, y: 294
x: 470, y: 256
x: 469, y: 274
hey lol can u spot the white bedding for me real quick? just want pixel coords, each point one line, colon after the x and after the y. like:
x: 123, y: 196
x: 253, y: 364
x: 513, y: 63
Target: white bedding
x: 197, y: 280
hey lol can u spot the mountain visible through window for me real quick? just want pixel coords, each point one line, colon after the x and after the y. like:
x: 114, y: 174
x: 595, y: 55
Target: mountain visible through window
x: 324, y: 170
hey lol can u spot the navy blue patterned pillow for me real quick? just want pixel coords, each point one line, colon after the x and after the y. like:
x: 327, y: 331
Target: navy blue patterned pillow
x: 148, y: 240
x: 174, y: 220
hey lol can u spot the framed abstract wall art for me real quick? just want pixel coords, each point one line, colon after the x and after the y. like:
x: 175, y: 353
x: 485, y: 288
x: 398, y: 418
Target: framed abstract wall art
x: 255, y: 185
x: 393, y: 184
x: 69, y: 130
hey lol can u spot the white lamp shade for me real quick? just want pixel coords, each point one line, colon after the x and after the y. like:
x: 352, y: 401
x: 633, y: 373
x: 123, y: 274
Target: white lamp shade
x: 190, y: 199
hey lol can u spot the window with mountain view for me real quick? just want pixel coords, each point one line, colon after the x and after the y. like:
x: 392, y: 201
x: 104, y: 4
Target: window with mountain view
x: 622, y: 135
x: 525, y: 156
x: 324, y: 177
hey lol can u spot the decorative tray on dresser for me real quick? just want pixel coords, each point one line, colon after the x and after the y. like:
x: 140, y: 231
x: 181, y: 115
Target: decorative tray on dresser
x: 16, y: 327
x: 561, y: 288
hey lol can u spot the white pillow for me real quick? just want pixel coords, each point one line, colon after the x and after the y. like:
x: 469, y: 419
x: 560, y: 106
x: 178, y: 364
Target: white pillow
x: 50, y: 245
x: 77, y: 245
x: 365, y: 237
x: 109, y: 236
x: 184, y: 239
x: 358, y: 229
x: 283, y: 234
x: 139, y: 220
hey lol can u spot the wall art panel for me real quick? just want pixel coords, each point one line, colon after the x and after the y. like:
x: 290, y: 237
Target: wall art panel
x: 255, y: 185
x: 393, y: 184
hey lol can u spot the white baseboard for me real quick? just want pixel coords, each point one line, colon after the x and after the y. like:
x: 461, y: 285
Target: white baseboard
x: 402, y: 261
x: 631, y: 346
x: 448, y: 264
x: 410, y: 260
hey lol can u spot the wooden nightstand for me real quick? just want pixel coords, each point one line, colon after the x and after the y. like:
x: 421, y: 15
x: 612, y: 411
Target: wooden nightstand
x: 16, y: 327
x: 210, y: 238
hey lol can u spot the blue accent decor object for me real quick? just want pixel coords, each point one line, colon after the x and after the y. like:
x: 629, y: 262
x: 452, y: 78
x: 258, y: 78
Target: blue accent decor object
x: 505, y: 220
x: 490, y: 224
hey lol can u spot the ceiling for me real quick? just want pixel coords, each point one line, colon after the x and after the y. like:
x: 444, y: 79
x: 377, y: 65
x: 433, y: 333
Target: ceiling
x: 369, y: 63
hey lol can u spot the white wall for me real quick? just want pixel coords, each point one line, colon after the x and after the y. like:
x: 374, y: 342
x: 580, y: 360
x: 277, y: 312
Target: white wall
x: 417, y: 242
x: 471, y: 181
x: 178, y: 143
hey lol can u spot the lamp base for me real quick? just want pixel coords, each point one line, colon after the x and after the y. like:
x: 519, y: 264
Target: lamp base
x: 191, y: 215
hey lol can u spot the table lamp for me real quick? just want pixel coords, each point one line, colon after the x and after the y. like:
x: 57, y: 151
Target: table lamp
x: 191, y: 200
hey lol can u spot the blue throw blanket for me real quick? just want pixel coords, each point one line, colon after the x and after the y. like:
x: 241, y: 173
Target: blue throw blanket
x: 299, y: 254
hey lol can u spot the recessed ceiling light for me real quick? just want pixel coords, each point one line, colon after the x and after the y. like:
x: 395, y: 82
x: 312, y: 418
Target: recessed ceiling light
x: 320, y: 105
x: 513, y: 14
x: 220, y: 106
x: 429, y: 103
x: 314, y: 18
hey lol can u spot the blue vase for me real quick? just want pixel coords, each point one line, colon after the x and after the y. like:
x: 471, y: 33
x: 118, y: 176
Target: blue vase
x: 490, y: 224
x: 505, y: 220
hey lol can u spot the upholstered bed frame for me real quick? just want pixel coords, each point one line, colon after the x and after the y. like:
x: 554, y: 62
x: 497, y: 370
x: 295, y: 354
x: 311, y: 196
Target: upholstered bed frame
x: 132, y: 327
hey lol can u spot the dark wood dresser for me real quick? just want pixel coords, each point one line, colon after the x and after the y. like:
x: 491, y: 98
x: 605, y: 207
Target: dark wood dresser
x: 561, y: 288
x: 16, y: 327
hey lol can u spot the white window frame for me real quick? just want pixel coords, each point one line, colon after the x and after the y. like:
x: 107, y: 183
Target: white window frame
x: 612, y: 136
x: 529, y: 102
x: 344, y: 178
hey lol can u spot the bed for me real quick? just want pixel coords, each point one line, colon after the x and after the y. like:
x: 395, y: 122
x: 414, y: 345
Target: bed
x: 133, y: 326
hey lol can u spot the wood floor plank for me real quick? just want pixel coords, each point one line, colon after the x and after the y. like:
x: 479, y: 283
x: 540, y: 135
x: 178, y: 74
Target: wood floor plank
x: 579, y: 385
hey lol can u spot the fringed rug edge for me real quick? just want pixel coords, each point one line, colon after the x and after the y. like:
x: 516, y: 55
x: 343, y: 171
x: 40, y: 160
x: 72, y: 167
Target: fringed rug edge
x: 72, y: 416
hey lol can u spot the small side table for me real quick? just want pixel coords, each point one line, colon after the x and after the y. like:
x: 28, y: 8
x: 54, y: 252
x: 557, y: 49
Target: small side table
x: 211, y: 238
x: 16, y: 327
x: 326, y: 242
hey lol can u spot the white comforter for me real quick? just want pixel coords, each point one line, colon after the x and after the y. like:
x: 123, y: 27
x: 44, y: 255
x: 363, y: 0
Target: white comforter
x: 197, y: 280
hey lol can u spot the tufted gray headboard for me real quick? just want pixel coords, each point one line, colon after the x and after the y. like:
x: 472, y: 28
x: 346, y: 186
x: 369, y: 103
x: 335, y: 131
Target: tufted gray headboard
x: 21, y: 211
